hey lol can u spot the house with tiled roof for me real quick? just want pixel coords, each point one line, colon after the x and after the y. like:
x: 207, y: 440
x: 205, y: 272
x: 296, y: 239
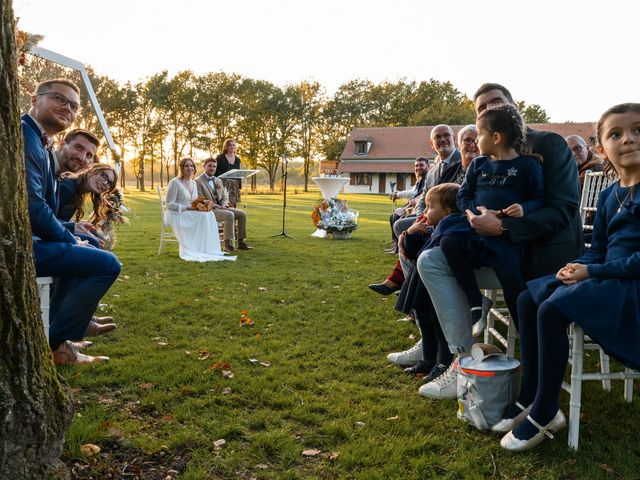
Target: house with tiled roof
x: 374, y: 158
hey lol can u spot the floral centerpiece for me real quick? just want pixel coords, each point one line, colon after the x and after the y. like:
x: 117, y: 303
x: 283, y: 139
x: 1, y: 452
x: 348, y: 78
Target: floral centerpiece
x: 111, y: 211
x: 333, y: 216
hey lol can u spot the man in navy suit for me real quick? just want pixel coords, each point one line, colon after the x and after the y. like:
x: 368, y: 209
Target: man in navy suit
x: 85, y: 273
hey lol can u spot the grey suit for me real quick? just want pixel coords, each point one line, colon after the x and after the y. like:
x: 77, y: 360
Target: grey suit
x: 218, y: 195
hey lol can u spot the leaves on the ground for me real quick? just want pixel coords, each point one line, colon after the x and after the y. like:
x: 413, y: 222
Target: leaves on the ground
x: 147, y: 386
x: 412, y: 337
x: 360, y: 424
x: 265, y: 364
x: 396, y: 417
x: 226, y: 391
x: 227, y: 373
x: 262, y: 289
x: 89, y: 449
x: 311, y: 452
x: 224, y: 366
x: 218, y: 444
x: 334, y: 455
x: 203, y: 355
x: 606, y: 468
x: 244, y: 319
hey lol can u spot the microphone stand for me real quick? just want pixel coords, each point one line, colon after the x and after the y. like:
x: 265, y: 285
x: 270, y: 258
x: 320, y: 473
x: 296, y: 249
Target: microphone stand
x: 283, y: 233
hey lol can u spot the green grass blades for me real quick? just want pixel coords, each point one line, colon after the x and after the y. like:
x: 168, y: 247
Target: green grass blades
x: 306, y: 391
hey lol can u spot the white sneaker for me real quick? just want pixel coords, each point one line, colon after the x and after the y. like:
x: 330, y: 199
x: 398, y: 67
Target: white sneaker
x: 445, y: 386
x: 408, y: 358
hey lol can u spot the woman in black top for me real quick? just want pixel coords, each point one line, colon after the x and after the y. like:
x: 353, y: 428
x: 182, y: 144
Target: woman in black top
x: 228, y: 160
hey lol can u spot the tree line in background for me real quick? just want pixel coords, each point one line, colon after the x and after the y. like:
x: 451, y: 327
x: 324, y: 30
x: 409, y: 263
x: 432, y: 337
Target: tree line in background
x: 162, y: 119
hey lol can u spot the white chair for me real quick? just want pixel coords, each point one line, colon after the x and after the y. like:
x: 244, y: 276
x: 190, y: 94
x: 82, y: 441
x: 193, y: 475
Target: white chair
x: 576, y: 354
x: 501, y: 314
x: 594, y: 183
x: 44, y: 291
x: 166, y: 234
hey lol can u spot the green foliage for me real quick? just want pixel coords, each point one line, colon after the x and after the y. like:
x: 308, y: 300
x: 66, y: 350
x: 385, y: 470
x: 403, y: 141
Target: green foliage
x: 533, y: 113
x: 328, y: 386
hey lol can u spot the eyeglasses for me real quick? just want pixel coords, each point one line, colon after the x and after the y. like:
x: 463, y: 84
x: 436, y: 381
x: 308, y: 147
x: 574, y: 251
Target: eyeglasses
x: 105, y: 178
x: 62, y: 100
x: 577, y: 148
x: 468, y: 140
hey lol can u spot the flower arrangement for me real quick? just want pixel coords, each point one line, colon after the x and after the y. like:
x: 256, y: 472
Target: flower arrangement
x: 201, y: 205
x: 111, y: 211
x: 333, y: 216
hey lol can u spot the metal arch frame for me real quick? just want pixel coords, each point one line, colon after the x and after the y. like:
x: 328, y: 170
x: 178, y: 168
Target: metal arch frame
x: 76, y: 65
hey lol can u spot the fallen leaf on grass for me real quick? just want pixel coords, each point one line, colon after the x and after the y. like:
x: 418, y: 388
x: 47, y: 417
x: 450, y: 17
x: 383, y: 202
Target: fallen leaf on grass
x: 227, y: 373
x: 126, y: 277
x: 606, y: 468
x: 219, y: 366
x: 75, y: 389
x: 254, y: 361
x: 359, y: 424
x: 311, y: 452
x: 203, y: 355
x: 258, y: 335
x: 244, y: 319
x: 89, y: 450
x: 226, y: 391
x: 265, y: 364
x: 163, y: 344
x: 262, y: 289
x: 185, y: 390
x: 218, y: 444
x: 147, y: 386
x: 187, y: 352
x: 262, y: 466
x: 412, y: 337
x: 243, y: 284
x: 116, y: 295
x: 334, y: 455
x: 167, y: 418
x: 397, y: 417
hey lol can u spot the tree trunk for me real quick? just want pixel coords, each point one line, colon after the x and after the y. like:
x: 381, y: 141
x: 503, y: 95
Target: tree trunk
x: 34, y: 410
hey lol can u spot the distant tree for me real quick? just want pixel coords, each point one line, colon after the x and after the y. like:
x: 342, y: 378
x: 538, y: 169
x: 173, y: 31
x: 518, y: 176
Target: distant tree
x: 533, y: 113
x: 307, y: 134
x: 34, y: 409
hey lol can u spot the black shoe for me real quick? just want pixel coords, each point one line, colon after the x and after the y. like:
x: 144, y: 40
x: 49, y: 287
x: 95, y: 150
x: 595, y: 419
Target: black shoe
x: 435, y: 372
x: 382, y: 289
x: 420, y: 368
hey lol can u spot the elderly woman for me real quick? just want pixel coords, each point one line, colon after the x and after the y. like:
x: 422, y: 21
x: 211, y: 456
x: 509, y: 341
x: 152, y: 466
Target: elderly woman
x: 196, y: 231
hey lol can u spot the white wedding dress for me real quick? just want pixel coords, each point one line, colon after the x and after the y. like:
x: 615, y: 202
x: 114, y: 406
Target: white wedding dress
x: 197, y: 232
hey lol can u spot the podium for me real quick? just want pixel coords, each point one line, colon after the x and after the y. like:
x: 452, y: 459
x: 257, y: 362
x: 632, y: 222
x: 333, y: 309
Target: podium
x: 239, y: 174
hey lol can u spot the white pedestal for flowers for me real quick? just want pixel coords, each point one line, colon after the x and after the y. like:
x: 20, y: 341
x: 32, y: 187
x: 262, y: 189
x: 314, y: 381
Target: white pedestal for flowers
x: 330, y: 188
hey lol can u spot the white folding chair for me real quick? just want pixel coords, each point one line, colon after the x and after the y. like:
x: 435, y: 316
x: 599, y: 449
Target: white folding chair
x: 44, y: 291
x: 594, y: 183
x: 166, y: 234
x: 501, y: 314
x: 574, y: 388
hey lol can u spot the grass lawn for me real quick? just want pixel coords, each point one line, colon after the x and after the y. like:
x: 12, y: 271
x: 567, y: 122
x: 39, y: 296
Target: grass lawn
x: 310, y: 374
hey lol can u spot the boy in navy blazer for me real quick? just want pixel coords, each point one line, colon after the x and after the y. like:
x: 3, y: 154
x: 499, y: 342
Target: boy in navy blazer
x: 84, y: 273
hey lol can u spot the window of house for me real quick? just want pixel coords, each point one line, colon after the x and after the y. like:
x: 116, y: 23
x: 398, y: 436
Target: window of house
x: 361, y: 148
x: 363, y: 179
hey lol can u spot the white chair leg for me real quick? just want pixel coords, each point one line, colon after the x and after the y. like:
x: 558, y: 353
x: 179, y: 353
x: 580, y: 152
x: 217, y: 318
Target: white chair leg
x: 576, y: 387
x: 628, y: 386
x: 604, y: 368
x: 511, y: 339
x: 44, y: 291
x: 161, y: 240
x: 488, y: 336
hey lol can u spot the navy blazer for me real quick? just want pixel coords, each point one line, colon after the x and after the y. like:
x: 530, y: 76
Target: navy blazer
x: 53, y: 237
x: 552, y: 235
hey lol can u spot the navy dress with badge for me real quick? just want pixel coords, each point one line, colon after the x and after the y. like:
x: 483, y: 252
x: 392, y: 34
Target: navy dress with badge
x: 607, y: 304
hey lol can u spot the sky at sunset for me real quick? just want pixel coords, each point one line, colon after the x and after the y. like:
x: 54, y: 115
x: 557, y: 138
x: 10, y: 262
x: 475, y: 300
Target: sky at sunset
x: 573, y: 58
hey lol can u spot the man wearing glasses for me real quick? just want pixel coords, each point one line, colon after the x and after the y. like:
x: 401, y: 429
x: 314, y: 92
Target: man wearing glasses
x: 584, y: 156
x: 84, y: 273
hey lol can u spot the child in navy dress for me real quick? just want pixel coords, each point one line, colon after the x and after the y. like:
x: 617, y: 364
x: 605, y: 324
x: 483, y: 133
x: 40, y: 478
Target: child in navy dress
x: 507, y: 181
x: 599, y: 291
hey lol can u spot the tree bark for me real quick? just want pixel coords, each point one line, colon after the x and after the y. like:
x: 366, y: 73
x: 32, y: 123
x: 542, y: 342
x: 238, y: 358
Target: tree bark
x: 34, y: 409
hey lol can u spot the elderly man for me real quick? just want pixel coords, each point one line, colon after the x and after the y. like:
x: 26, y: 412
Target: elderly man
x: 584, y: 156
x: 552, y: 236
x: 84, y: 273
x: 420, y: 168
x: 447, y: 160
x: 211, y: 188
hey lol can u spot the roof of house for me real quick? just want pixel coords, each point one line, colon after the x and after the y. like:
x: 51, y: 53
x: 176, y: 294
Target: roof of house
x: 407, y: 143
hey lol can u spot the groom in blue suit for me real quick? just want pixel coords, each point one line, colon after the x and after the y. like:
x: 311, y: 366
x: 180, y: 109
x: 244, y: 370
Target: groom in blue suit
x: 85, y: 273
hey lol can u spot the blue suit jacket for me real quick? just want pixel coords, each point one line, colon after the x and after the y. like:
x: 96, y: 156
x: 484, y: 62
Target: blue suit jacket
x: 53, y: 237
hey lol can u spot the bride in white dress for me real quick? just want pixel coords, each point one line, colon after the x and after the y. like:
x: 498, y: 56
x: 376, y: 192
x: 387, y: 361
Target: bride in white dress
x: 197, y: 232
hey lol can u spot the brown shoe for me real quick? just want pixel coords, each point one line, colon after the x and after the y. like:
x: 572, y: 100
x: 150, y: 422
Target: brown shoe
x: 228, y: 247
x: 102, y: 320
x: 81, y: 344
x: 245, y: 246
x: 94, y: 329
x: 66, y: 354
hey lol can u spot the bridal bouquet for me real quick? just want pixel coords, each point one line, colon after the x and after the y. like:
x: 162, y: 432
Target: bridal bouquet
x: 201, y: 205
x: 112, y: 211
x: 333, y: 216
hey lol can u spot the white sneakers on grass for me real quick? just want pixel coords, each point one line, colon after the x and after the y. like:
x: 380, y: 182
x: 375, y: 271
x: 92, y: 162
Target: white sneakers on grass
x: 408, y: 358
x: 445, y: 386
